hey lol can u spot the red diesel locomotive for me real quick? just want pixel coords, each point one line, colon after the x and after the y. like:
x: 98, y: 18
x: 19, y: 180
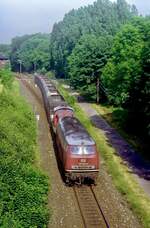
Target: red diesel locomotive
x: 76, y: 149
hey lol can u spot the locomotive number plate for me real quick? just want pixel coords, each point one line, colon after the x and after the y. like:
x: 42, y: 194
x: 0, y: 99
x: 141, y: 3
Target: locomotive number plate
x: 83, y: 160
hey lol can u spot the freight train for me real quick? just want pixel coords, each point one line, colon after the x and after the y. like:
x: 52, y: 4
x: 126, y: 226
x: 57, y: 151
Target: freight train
x: 76, y: 149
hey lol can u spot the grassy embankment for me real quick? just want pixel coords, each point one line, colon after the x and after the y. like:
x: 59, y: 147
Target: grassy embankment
x: 117, y: 117
x: 24, y: 188
x: 121, y: 177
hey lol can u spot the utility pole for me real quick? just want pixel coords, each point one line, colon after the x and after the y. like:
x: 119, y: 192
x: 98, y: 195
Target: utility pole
x: 97, y: 89
x: 20, y: 66
x: 34, y: 66
x: 97, y: 79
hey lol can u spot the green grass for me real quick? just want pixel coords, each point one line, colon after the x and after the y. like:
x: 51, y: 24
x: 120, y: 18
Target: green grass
x: 24, y: 187
x: 1, y: 88
x: 124, y: 182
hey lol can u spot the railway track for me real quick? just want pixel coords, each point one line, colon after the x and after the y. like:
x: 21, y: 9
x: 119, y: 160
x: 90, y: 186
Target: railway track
x: 90, y: 209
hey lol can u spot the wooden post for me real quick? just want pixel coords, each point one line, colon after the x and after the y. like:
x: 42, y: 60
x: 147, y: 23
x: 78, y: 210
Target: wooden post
x: 97, y: 90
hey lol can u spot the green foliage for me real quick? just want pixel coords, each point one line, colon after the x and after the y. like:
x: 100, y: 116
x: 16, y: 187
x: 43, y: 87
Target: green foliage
x: 50, y: 75
x: 32, y: 51
x: 5, y: 50
x: 6, y: 77
x: 42, y: 71
x: 15, y: 47
x: 86, y: 62
x: 126, y: 75
x: 23, y: 192
x: 124, y: 68
x: 71, y: 100
x: 100, y: 19
x: 144, y: 96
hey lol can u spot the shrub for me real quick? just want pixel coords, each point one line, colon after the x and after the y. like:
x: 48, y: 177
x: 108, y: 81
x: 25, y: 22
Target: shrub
x: 24, y: 188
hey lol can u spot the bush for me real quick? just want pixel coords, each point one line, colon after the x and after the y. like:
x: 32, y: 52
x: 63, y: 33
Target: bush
x: 6, y: 77
x: 50, y: 75
x: 24, y: 188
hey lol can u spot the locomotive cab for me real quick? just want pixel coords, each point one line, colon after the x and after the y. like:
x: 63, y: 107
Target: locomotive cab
x: 82, y: 163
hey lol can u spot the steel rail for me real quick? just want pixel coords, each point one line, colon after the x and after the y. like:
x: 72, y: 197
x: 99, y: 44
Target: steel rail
x: 90, y: 209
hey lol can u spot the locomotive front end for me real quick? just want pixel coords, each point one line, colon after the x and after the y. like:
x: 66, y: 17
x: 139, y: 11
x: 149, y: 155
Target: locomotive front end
x: 82, y: 164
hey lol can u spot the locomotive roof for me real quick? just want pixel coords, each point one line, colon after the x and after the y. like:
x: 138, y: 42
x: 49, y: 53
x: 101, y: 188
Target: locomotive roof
x: 60, y: 107
x: 74, y: 132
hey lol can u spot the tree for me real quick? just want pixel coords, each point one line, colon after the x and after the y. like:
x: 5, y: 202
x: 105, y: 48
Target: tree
x: 15, y: 46
x: 126, y: 75
x: 32, y: 51
x: 86, y: 62
x: 101, y: 19
x: 123, y: 70
x: 5, y: 50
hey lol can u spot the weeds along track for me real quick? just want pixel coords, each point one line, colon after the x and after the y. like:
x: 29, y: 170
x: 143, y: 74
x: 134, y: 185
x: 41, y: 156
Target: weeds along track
x: 28, y: 83
x: 90, y: 209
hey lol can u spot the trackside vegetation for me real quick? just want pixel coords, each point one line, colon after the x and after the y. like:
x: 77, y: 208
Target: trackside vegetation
x: 124, y: 182
x: 24, y: 188
x: 116, y: 117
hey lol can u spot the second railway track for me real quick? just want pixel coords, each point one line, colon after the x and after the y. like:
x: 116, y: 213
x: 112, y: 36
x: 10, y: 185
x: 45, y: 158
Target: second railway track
x: 90, y: 209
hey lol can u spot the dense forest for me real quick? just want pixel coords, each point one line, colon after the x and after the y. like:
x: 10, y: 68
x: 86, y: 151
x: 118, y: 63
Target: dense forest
x: 127, y: 74
x: 5, y: 50
x: 31, y: 51
x: 100, y: 19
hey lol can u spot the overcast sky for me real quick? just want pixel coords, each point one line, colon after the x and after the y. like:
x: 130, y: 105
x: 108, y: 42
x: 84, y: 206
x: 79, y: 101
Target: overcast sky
x: 19, y: 17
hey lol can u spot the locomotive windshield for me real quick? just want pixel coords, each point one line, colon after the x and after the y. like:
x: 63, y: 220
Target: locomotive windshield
x: 82, y: 150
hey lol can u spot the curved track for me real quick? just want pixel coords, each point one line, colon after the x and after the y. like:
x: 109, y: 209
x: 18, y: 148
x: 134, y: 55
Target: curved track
x: 90, y: 209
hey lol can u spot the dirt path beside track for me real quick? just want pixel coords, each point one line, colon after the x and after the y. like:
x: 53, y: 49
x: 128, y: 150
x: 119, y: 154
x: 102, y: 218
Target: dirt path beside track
x: 64, y: 208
